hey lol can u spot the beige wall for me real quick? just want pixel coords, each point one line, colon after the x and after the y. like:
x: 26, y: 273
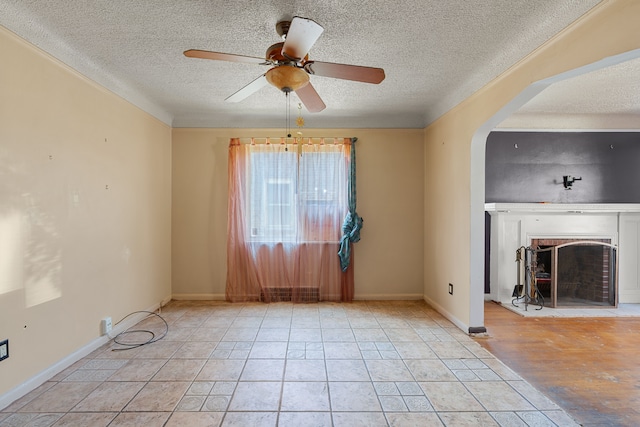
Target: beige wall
x: 71, y: 250
x: 454, y: 153
x: 390, y: 184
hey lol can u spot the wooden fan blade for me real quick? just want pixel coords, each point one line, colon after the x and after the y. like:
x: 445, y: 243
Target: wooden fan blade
x: 310, y: 98
x: 249, y: 89
x: 205, y: 54
x: 302, y: 34
x: 345, y: 72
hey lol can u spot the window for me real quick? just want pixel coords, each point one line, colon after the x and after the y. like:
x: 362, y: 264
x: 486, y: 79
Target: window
x: 287, y: 204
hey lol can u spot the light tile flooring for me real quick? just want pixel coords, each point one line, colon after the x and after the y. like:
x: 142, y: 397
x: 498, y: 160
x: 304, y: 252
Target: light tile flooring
x: 327, y: 364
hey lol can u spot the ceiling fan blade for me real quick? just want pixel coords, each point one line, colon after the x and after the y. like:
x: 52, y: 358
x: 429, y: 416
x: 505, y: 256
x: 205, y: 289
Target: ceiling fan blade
x: 310, y: 98
x: 302, y: 34
x: 249, y: 89
x: 205, y: 54
x: 345, y: 72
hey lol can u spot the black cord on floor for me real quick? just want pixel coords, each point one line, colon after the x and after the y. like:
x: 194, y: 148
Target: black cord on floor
x: 152, y: 338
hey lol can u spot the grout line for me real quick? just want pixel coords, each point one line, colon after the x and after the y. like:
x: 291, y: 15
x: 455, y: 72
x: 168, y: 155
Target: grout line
x: 373, y: 311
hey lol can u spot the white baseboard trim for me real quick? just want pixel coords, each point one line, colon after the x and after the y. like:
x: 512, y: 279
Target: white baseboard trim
x: 629, y: 299
x: 387, y: 297
x: 359, y: 297
x: 199, y: 297
x: 44, y: 376
x: 166, y: 301
x: 453, y: 319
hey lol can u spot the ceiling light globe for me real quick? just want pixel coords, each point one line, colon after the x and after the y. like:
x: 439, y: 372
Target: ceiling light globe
x: 287, y: 78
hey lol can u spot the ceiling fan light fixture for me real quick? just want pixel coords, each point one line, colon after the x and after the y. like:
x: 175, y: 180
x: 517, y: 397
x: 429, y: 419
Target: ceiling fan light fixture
x: 287, y: 78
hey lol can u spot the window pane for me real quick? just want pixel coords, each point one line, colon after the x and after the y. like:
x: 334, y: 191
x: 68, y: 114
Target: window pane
x: 323, y: 200
x: 279, y: 204
x: 318, y: 183
x: 272, y: 177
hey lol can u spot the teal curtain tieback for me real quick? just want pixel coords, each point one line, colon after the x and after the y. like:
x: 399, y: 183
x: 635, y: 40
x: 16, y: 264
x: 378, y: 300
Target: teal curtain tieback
x: 350, y: 233
x: 352, y: 222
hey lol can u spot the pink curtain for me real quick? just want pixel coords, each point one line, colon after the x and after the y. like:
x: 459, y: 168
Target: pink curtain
x: 287, y: 202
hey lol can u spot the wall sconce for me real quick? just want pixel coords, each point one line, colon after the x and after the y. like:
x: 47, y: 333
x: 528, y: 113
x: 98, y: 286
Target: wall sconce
x: 568, y: 181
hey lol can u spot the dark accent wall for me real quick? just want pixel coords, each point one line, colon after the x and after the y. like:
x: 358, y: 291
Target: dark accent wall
x: 527, y: 167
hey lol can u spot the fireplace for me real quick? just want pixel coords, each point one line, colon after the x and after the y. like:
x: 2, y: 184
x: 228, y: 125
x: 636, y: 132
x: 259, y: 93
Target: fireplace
x: 616, y: 226
x: 575, y: 272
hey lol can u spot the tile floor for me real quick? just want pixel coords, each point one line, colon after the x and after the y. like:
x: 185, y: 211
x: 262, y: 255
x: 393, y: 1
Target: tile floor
x: 327, y: 364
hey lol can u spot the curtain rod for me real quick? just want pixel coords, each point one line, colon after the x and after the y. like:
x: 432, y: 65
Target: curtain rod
x: 294, y: 140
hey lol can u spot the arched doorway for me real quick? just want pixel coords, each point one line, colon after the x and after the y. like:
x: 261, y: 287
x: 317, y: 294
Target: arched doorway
x: 477, y: 173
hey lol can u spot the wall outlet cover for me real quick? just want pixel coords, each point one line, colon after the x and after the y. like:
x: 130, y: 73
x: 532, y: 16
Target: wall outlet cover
x: 106, y: 325
x: 4, y: 349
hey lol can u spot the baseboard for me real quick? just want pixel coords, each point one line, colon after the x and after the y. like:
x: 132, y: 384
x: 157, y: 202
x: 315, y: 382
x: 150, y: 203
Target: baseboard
x: 453, y: 319
x: 387, y: 297
x: 359, y: 297
x: 629, y: 299
x: 199, y: 297
x: 44, y: 376
x: 166, y: 301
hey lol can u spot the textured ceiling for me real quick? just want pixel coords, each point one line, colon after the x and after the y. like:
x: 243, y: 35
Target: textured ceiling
x: 435, y: 53
x: 607, y: 98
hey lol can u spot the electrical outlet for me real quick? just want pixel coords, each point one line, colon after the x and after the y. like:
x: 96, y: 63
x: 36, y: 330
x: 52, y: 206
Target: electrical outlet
x: 450, y: 289
x: 4, y: 349
x: 106, y: 325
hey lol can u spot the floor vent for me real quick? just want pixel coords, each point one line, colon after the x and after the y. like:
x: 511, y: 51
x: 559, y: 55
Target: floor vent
x: 306, y: 294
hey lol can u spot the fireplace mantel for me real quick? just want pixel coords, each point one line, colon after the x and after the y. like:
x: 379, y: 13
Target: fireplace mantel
x: 562, y: 207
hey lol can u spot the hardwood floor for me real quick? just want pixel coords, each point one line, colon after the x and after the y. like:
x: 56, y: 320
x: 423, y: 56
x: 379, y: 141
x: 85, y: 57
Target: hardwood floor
x: 588, y: 366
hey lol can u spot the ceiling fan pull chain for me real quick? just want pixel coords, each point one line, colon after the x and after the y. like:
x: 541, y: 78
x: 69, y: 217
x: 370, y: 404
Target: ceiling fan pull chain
x: 288, y: 114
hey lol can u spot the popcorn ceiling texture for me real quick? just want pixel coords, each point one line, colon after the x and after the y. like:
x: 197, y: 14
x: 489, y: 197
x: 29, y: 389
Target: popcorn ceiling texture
x: 435, y: 53
x: 608, y: 98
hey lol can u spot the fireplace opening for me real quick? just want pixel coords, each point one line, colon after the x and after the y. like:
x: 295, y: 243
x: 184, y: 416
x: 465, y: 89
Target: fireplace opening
x: 576, y: 272
x: 543, y: 270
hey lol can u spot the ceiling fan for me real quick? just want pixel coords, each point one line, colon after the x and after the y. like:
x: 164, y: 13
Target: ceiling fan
x: 291, y: 65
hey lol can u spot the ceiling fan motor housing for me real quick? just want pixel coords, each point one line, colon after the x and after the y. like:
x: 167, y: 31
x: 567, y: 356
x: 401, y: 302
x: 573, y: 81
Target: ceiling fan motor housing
x: 274, y: 54
x: 287, y: 75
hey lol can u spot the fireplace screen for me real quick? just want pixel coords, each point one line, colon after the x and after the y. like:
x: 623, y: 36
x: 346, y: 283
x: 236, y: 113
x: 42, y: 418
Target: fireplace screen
x: 577, y: 273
